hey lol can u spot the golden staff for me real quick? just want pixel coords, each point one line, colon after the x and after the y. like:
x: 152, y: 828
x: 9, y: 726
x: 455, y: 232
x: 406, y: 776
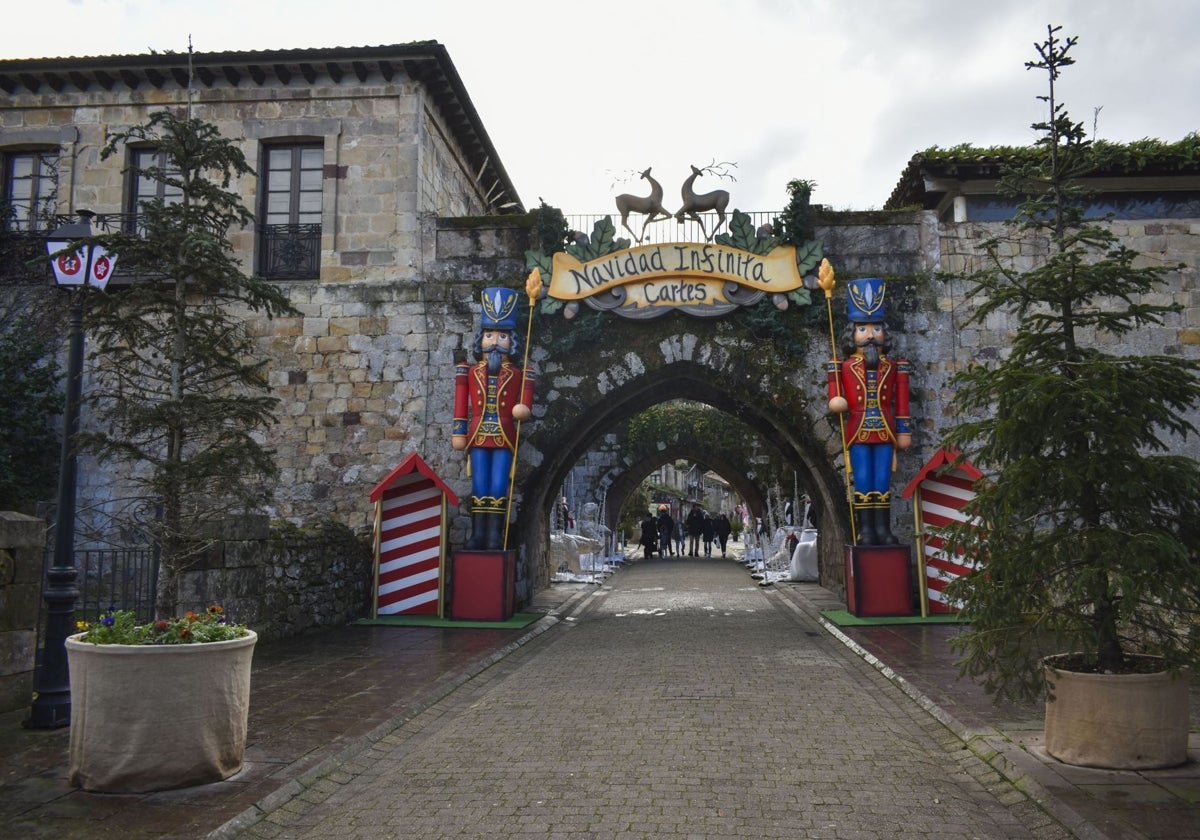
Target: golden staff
x: 533, y: 288
x: 377, y: 540
x: 825, y: 279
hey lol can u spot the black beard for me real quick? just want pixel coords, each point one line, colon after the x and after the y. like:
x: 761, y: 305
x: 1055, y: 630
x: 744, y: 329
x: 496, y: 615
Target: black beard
x: 495, y: 359
x: 870, y: 352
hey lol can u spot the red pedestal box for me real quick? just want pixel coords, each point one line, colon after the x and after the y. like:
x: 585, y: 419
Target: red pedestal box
x: 482, y: 585
x: 879, y: 580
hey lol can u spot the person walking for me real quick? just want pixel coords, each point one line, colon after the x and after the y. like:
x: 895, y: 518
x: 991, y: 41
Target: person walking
x: 695, y: 527
x: 679, y: 535
x: 649, y: 537
x: 722, y: 528
x: 707, y: 529
x: 666, y: 532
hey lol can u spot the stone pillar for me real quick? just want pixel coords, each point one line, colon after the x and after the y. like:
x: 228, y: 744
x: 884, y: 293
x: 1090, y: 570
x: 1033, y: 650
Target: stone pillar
x: 22, y: 557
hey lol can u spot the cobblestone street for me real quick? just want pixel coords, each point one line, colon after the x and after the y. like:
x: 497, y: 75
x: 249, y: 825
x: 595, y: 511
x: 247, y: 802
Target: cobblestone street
x: 681, y: 702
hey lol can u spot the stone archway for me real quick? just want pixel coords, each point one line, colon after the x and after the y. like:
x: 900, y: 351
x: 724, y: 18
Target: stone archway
x: 627, y: 367
x: 624, y: 478
x: 754, y: 362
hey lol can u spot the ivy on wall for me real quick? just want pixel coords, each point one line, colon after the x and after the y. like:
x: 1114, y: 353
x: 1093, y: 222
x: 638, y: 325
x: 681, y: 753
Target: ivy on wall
x: 763, y: 321
x: 1140, y: 156
x: 768, y: 338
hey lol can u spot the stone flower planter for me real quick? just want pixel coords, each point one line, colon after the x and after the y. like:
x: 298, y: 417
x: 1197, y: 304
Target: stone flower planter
x: 1116, y: 721
x: 155, y: 717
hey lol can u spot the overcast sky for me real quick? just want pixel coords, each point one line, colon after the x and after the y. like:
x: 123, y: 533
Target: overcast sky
x: 576, y: 96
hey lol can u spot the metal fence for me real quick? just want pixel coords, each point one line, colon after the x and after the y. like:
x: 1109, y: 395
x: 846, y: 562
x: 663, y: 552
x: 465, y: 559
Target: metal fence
x: 289, y: 252
x: 286, y: 252
x: 122, y: 578
x: 665, y: 230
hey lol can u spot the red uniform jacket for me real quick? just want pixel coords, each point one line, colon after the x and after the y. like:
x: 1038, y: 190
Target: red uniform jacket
x: 470, y: 398
x: 892, y: 388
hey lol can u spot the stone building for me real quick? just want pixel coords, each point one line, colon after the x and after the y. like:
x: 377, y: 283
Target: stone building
x: 383, y: 208
x: 355, y: 151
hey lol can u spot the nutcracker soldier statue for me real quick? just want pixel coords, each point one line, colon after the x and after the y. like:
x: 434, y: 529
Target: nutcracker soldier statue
x: 873, y: 388
x: 489, y: 398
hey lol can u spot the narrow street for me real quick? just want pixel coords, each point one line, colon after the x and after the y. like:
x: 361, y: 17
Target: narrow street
x: 681, y: 701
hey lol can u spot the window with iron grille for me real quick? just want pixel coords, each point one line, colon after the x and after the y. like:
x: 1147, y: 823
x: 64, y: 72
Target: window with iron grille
x: 290, y: 213
x: 30, y: 188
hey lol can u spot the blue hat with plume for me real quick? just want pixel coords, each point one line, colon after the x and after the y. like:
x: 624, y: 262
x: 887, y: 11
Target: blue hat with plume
x: 499, y: 309
x: 864, y: 300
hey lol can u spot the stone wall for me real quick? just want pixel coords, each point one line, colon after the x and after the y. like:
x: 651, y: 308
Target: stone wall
x: 936, y: 337
x: 389, y: 159
x: 285, y: 580
x: 22, y: 559
x: 364, y: 374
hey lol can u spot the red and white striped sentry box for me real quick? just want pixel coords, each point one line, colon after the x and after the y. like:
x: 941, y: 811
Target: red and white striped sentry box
x: 410, y: 540
x: 939, y: 492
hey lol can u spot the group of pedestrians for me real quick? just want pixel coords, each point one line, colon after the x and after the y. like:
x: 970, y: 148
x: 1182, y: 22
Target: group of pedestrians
x: 664, y: 535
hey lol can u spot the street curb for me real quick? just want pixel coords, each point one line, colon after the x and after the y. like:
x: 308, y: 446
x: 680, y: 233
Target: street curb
x: 296, y: 787
x: 1024, y: 771
x: 993, y: 747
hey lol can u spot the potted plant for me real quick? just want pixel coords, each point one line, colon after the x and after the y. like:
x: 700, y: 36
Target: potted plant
x: 1088, y: 523
x: 159, y: 705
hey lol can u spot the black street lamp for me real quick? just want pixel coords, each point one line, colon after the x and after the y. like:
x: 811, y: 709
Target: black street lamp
x: 86, y: 265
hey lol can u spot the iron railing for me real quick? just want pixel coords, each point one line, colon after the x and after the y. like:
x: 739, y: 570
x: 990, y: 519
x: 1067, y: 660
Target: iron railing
x: 665, y: 230
x: 286, y: 252
x: 293, y: 251
x: 23, y: 255
x: 122, y: 578
x: 119, y: 568
x: 23, y: 258
x: 289, y: 252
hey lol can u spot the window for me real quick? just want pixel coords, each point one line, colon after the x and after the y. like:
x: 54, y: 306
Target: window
x: 30, y: 184
x: 293, y: 181
x: 146, y: 190
x: 1184, y: 204
x: 293, y: 188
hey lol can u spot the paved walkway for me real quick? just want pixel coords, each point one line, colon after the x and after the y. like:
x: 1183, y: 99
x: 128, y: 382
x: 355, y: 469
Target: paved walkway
x: 684, y: 702
x: 313, y: 698
x: 679, y: 682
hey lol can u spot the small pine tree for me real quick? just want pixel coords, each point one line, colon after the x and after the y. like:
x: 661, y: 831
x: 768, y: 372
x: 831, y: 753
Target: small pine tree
x: 1089, y: 522
x: 181, y: 392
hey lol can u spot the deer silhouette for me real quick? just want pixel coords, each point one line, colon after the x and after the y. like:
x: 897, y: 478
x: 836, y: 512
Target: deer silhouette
x: 695, y: 204
x: 649, y: 205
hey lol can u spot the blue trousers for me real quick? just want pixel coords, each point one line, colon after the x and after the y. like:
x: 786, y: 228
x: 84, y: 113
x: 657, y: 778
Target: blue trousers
x: 490, y: 470
x: 872, y: 466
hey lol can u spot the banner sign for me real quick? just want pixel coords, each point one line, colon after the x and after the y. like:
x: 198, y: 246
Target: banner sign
x: 700, y: 279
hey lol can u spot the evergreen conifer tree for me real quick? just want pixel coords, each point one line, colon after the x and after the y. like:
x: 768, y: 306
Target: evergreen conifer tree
x: 182, y: 394
x: 1088, y: 524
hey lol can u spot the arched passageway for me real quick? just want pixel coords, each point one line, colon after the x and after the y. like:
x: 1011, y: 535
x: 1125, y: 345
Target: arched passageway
x: 626, y: 477
x: 740, y: 383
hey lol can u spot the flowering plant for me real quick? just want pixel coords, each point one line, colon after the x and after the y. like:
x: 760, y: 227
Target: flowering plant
x: 120, y: 627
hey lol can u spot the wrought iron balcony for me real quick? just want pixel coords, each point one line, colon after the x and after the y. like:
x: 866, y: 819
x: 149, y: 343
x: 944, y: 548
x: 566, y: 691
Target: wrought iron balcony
x: 23, y: 258
x: 23, y: 251
x: 286, y: 252
x: 289, y: 252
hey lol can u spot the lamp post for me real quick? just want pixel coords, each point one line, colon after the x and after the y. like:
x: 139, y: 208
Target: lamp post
x: 87, y: 265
